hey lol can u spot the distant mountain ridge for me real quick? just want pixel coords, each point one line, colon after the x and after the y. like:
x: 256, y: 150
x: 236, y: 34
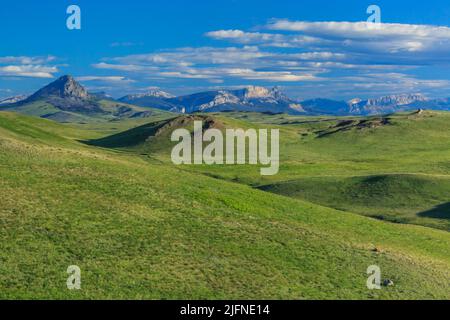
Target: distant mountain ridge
x: 154, y: 92
x: 65, y: 100
x: 388, y: 104
x: 155, y: 98
x: 260, y: 99
x: 251, y: 98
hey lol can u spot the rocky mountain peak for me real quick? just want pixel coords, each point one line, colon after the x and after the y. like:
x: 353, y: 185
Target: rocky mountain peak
x: 64, y: 87
x: 255, y: 92
x: 252, y: 92
x: 150, y: 93
x: 399, y: 100
x: 158, y: 93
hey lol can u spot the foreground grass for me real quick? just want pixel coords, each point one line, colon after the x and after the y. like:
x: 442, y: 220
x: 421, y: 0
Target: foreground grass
x: 153, y: 231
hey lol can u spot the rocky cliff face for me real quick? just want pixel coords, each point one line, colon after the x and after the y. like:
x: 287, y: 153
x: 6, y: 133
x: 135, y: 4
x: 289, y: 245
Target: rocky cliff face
x: 387, y: 104
x: 64, y: 87
x: 252, y: 98
x: 253, y: 92
x: 152, y: 93
x: 221, y: 98
x: 396, y: 100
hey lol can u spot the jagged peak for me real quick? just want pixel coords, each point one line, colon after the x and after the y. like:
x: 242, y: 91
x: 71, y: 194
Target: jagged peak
x: 257, y: 92
x: 64, y: 87
x: 398, y: 99
x: 151, y: 92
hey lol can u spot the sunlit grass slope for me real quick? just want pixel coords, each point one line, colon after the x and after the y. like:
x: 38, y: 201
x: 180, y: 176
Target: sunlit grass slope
x: 149, y: 231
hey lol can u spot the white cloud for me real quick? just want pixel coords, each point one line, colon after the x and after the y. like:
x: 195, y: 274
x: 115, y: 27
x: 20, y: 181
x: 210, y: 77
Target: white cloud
x: 216, y: 64
x: 24, y: 66
x: 28, y: 71
x: 264, y: 39
x: 360, y: 29
x: 324, y: 57
x: 386, y: 37
x: 26, y: 60
x: 110, y: 79
x: 282, y: 76
x: 185, y: 57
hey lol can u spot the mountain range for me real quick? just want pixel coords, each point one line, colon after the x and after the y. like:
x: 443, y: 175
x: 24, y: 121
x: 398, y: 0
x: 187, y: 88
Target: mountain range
x: 259, y: 99
x: 65, y: 100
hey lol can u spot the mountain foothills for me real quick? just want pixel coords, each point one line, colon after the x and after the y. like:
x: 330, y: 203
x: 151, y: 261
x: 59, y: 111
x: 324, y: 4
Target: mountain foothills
x: 65, y: 100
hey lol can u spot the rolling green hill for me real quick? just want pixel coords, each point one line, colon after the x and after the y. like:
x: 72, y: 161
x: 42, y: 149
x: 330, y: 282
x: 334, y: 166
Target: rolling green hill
x: 418, y: 199
x: 150, y: 230
x: 107, y: 111
x: 392, y: 167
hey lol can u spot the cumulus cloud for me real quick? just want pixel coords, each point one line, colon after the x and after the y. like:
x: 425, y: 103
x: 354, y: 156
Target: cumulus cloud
x: 110, y: 79
x: 213, y: 64
x: 360, y: 29
x: 365, y: 36
x: 385, y: 42
x: 23, y: 66
x: 28, y: 71
x: 324, y: 57
x: 26, y: 60
x: 264, y: 39
x: 185, y: 57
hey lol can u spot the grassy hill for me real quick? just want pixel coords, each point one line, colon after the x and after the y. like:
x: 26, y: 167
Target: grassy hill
x: 402, y: 198
x: 107, y: 110
x: 140, y: 229
x: 394, y: 167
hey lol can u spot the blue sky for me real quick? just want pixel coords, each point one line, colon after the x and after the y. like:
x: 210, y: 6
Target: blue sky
x: 318, y: 48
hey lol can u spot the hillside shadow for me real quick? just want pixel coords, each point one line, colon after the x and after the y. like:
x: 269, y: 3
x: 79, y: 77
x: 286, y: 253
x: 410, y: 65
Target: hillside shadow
x: 128, y: 138
x: 441, y: 211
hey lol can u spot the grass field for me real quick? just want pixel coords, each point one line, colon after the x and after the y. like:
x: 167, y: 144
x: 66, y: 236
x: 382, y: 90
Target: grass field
x: 141, y: 228
x: 396, y: 171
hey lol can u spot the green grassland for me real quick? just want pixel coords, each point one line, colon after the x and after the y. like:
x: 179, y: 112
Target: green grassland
x: 393, y: 168
x: 107, y: 111
x: 142, y: 228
